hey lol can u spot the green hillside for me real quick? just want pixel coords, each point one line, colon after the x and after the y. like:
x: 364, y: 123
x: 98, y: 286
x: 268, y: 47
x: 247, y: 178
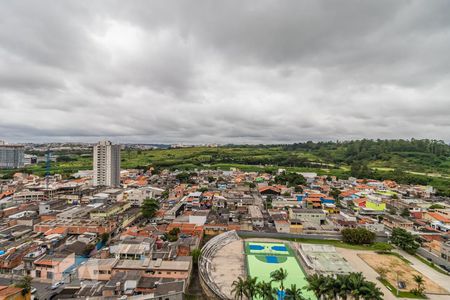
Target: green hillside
x: 406, y: 161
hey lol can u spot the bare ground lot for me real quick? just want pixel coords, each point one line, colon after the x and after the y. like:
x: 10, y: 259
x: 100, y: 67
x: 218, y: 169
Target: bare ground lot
x: 394, y: 265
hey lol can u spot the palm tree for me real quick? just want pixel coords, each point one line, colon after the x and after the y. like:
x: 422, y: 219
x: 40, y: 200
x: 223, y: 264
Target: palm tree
x: 279, y: 275
x: 343, y: 286
x: 369, y: 291
x: 316, y: 284
x: 420, y: 282
x: 250, y: 287
x: 265, y: 291
x: 294, y: 293
x: 239, y: 286
x: 355, y: 282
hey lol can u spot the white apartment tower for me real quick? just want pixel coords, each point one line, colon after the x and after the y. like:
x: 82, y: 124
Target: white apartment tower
x: 106, y: 164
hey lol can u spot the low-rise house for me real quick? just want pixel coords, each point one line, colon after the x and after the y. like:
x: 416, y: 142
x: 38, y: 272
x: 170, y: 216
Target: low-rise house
x: 174, y: 269
x: 312, y: 216
x: 436, y: 217
x: 256, y: 216
x: 295, y: 226
x: 394, y: 221
x: 109, y: 210
x: 78, y: 226
x: 133, y: 250
x: 282, y: 226
x: 97, y: 269
x: 51, y: 268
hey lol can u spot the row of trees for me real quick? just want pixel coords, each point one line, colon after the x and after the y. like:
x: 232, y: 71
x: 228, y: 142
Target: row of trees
x: 324, y: 287
x: 343, y: 286
x: 358, y: 236
x: 250, y: 288
x: 365, y: 149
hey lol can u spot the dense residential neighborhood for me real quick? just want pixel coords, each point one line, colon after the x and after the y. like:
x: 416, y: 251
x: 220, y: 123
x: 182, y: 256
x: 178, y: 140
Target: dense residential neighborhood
x: 138, y: 233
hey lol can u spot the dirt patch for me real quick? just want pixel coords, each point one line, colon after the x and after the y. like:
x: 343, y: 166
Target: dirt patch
x: 393, y: 266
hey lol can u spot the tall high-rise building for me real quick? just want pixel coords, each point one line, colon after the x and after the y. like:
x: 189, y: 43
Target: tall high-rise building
x: 11, y: 156
x: 106, y: 164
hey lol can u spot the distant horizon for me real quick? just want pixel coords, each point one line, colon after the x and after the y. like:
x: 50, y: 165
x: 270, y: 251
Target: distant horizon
x: 219, y: 144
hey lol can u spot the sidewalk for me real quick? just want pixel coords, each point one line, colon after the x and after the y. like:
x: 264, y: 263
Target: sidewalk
x: 439, y: 278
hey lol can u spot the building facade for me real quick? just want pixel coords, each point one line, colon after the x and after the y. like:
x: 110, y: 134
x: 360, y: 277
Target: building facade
x: 106, y: 164
x: 11, y: 156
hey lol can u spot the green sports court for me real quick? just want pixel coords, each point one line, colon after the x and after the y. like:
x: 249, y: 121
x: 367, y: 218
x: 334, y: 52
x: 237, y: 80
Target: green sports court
x: 263, y: 258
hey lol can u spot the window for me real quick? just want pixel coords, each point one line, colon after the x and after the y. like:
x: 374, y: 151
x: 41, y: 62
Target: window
x: 38, y: 273
x: 49, y: 275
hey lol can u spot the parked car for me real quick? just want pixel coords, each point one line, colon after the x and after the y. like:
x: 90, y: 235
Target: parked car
x: 57, y: 284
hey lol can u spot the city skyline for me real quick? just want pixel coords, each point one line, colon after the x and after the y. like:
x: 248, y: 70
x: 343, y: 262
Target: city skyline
x: 254, y: 72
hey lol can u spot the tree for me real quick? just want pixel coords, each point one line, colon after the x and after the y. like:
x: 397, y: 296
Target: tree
x: 172, y: 235
x: 436, y: 206
x: 195, y: 253
x: 316, y: 284
x: 279, y: 275
x: 265, y: 291
x: 105, y: 237
x: 238, y: 288
x: 290, y: 179
x: 294, y: 293
x: 251, y: 287
x: 149, y: 208
x: 183, y: 177
x: 335, y: 193
x: 343, y: 286
x: 165, y: 194
x: 382, y: 271
x: 355, y: 282
x: 298, y: 189
x: 418, y: 279
x: 369, y: 291
x: 404, y: 240
x: 352, y: 285
x: 25, y: 284
x: 405, y: 212
x: 358, y: 236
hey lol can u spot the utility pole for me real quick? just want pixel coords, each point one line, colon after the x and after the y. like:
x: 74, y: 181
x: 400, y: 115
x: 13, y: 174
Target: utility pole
x: 47, y: 167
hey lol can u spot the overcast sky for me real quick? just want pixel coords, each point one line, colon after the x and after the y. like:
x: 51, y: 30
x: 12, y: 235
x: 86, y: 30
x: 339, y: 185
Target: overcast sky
x: 224, y: 71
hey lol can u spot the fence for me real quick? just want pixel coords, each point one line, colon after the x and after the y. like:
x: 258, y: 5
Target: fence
x: 282, y: 235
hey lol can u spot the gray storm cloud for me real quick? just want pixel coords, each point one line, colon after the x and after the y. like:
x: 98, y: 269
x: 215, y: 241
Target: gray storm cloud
x: 224, y: 71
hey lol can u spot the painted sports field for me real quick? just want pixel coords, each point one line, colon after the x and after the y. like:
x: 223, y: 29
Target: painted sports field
x: 263, y: 258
